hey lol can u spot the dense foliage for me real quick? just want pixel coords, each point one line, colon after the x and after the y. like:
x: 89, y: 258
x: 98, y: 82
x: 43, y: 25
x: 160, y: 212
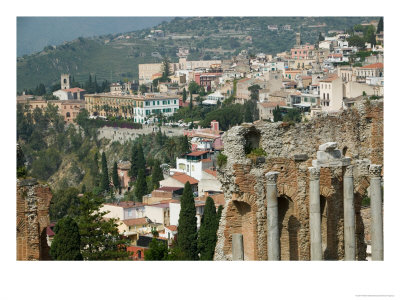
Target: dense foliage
x: 207, y: 235
x: 187, y: 229
x: 66, y: 244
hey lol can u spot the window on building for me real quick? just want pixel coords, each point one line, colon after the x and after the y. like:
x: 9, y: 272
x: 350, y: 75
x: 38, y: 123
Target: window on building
x: 327, y: 96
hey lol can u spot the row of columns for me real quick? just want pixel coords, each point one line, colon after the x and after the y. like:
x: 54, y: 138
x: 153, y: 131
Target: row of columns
x: 315, y: 217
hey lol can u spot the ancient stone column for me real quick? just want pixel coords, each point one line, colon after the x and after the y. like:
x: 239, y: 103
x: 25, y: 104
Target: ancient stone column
x: 376, y: 212
x: 272, y: 216
x: 349, y: 215
x: 315, y: 215
x: 237, y: 246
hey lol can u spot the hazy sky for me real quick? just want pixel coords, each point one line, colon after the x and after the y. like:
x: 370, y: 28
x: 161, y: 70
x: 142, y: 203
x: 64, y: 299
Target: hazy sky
x: 34, y: 33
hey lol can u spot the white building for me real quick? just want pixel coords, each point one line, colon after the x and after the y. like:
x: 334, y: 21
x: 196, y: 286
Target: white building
x: 123, y: 210
x: 194, y: 163
x: 158, y: 213
x: 209, y: 182
x: 70, y: 94
x: 331, y: 93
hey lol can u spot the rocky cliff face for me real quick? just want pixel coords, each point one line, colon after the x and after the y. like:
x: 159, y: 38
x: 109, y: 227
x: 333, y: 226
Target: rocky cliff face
x: 358, y: 133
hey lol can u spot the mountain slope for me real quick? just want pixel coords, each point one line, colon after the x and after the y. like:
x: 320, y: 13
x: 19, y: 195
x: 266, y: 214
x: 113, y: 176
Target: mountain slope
x: 115, y: 57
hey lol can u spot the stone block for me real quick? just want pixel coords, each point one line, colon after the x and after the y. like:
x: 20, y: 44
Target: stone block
x: 300, y: 157
x: 328, y: 146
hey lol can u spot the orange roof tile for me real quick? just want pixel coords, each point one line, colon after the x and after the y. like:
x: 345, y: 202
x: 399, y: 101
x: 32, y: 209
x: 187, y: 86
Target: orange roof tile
x: 172, y: 227
x: 197, y: 153
x: 74, y: 90
x: 373, y: 66
x: 183, y: 178
x: 138, y: 221
x: 211, y: 172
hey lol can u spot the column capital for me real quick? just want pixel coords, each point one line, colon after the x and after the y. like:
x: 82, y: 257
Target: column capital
x: 348, y: 171
x: 272, y: 177
x: 375, y: 170
x: 314, y: 173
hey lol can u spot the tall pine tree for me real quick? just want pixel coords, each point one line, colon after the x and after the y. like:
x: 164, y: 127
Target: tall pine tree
x: 187, y: 228
x: 156, y: 175
x: 208, y: 231
x: 140, y: 186
x: 100, y: 239
x: 115, y: 177
x: 67, y: 241
x: 184, y: 95
x: 105, y: 181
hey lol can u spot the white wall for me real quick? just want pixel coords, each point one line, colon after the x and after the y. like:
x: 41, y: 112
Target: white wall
x: 155, y: 214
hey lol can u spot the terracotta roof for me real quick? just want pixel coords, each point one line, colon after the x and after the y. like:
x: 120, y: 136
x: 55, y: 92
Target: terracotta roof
x: 168, y: 189
x: 329, y: 78
x: 183, y: 178
x: 211, y: 172
x: 272, y: 104
x: 197, y: 153
x: 138, y: 221
x: 172, y: 227
x: 373, y: 66
x: 206, y: 160
x: 126, y: 204
x: 49, y: 231
x: 74, y: 90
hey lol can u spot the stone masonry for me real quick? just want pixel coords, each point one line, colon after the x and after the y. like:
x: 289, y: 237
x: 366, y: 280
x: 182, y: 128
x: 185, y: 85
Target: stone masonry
x: 33, y: 202
x: 332, y: 142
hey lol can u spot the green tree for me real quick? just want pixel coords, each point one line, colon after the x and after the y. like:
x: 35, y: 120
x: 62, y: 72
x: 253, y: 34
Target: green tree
x: 187, y: 228
x: 184, y: 144
x: 21, y: 169
x: 115, y: 177
x: 156, y: 175
x: 64, y: 202
x: 356, y: 41
x: 67, y: 240
x: 143, y: 88
x: 100, y: 239
x: 277, y: 113
x: 219, y: 212
x: 165, y: 69
x: 208, y: 231
x: 141, y: 162
x: 134, y: 167
x: 158, y: 250
x: 380, y: 25
x: 184, y: 96
x: 140, y: 186
x: 105, y: 181
x: 320, y: 37
x: 191, y: 102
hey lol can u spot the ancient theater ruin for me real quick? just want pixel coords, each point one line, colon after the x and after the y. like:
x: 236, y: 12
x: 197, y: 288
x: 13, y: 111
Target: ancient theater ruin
x: 302, y: 200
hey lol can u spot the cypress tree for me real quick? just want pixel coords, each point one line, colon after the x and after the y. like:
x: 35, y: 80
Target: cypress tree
x: 141, y: 186
x: 140, y: 161
x: 208, y: 231
x: 219, y: 213
x: 380, y: 26
x: 134, y: 169
x: 115, y: 177
x: 187, y: 228
x: 156, y: 175
x: 105, y: 181
x: 184, y: 96
x: 67, y: 241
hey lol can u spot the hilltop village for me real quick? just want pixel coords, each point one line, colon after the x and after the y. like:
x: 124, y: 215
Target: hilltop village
x: 168, y: 139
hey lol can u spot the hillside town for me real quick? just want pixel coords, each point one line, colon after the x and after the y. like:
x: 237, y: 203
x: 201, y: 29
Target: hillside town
x: 300, y: 85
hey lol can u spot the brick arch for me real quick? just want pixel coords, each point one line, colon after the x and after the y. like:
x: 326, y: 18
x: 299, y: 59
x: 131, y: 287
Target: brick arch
x: 241, y: 212
x: 289, y: 226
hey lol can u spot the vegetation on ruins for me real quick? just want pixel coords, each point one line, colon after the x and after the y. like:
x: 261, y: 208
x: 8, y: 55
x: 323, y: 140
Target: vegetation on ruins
x: 207, y: 235
x: 222, y: 159
x: 187, y: 229
x: 66, y: 244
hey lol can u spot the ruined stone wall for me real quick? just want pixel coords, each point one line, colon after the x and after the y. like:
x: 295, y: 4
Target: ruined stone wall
x: 290, y: 150
x: 33, y: 202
